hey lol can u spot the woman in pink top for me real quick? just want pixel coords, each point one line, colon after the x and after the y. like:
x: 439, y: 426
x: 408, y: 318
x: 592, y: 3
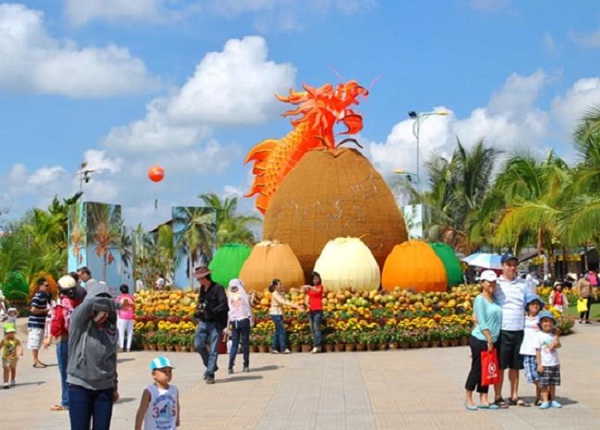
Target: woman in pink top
x: 125, y: 318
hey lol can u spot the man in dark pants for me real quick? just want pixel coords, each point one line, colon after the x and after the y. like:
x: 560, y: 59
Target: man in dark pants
x: 212, y: 312
x: 509, y: 294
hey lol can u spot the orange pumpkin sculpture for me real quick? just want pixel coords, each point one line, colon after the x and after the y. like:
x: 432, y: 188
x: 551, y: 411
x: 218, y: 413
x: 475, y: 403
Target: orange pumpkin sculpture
x: 270, y: 260
x: 415, y: 265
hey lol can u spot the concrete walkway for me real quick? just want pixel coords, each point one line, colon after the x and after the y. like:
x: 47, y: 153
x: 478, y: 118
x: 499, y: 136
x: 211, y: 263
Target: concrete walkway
x: 413, y: 389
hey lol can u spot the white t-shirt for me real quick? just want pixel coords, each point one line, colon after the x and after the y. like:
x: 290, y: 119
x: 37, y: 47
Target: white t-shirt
x: 529, y: 339
x: 543, y: 342
x: 162, y: 410
x: 510, y: 296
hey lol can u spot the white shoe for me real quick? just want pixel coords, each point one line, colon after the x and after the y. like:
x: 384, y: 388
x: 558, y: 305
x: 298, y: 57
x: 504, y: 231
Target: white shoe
x: 13, y: 383
x: 314, y: 350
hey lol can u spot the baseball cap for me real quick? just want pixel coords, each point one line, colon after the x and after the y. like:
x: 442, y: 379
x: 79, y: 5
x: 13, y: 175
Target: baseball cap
x: 506, y: 257
x: 529, y: 298
x: 9, y: 329
x: 160, y: 362
x: 545, y: 314
x: 488, y: 275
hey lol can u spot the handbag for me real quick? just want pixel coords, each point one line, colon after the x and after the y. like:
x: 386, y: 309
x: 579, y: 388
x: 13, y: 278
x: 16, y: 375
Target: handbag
x: 582, y: 305
x: 490, y: 368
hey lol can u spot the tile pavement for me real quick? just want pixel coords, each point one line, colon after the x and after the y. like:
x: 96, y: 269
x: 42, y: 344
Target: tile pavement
x: 414, y: 389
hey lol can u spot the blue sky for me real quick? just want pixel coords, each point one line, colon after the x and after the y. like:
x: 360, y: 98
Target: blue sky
x: 189, y: 85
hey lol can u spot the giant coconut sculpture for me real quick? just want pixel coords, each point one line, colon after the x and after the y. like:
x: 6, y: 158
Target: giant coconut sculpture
x: 333, y: 193
x: 311, y: 191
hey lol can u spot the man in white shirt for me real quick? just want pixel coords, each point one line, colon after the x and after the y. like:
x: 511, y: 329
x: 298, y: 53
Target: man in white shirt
x: 509, y: 294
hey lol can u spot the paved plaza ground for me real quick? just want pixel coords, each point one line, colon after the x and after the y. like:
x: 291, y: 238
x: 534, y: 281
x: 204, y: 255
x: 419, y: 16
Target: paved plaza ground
x: 413, y: 389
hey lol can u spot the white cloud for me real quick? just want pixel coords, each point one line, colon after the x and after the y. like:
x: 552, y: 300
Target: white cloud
x: 591, y: 39
x: 81, y: 12
x: 33, y: 61
x: 510, y: 121
x: 578, y: 100
x: 233, y: 87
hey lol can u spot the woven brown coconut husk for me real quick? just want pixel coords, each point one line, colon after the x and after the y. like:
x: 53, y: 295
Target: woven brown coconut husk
x: 329, y: 194
x: 268, y: 261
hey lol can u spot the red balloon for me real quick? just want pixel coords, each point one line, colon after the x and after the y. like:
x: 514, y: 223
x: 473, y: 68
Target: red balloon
x: 156, y: 173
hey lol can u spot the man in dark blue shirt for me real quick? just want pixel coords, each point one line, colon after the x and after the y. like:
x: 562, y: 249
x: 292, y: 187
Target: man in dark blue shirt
x: 38, y: 310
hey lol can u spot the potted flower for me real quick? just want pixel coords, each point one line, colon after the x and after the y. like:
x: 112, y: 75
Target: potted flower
x: 339, y: 342
x: 306, y: 342
x: 434, y: 336
x: 162, y: 339
x: 350, y: 339
x: 188, y: 342
x: 295, y: 341
x: 329, y: 339
x: 150, y: 339
x: 362, y: 340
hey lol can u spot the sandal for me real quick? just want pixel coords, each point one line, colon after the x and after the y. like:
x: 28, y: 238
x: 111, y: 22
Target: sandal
x: 59, y: 408
x: 40, y: 365
x: 518, y: 402
x: 501, y: 403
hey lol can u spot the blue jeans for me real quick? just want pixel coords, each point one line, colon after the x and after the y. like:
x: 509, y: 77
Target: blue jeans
x: 240, y: 330
x: 316, y: 318
x: 279, y: 335
x: 208, y: 332
x: 62, y: 357
x: 90, y: 405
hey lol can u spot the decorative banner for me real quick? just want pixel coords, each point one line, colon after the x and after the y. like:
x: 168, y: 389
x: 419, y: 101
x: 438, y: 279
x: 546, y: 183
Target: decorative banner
x: 96, y: 241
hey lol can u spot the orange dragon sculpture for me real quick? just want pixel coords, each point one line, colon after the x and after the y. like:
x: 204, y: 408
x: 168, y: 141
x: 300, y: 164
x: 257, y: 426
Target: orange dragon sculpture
x: 320, y: 109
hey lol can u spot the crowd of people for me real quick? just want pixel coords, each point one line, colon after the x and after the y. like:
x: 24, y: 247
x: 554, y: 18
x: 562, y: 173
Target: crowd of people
x: 89, y: 326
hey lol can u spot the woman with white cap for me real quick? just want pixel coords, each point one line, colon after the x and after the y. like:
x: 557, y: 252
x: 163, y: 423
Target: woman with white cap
x: 484, y: 337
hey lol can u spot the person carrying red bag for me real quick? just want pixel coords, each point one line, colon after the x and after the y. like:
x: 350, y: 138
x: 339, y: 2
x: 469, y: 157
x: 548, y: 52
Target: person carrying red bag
x: 484, y: 337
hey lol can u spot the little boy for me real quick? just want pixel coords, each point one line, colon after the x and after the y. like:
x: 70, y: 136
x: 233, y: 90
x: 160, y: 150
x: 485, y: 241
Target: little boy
x: 11, y: 347
x: 547, y: 360
x: 11, y: 316
x: 159, y: 407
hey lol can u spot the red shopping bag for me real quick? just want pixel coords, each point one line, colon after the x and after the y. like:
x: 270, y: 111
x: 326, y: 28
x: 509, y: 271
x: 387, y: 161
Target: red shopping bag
x: 490, y: 368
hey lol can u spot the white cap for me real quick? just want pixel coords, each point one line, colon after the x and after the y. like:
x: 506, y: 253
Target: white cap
x: 66, y: 282
x: 488, y: 275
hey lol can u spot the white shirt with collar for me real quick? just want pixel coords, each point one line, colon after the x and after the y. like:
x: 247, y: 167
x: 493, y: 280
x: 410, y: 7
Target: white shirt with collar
x: 510, y: 296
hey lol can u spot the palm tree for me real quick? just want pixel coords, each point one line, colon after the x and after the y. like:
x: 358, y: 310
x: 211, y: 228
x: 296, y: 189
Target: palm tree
x: 458, y: 189
x: 104, y: 229
x: 583, y: 213
x: 231, y: 227
x: 535, y: 195
x: 194, y: 231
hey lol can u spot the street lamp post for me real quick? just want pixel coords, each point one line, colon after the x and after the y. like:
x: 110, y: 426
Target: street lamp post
x: 84, y: 175
x: 420, y: 119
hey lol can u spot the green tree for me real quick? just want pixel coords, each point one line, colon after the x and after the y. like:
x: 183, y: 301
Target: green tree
x: 535, y: 193
x: 194, y: 231
x: 458, y: 189
x: 231, y: 226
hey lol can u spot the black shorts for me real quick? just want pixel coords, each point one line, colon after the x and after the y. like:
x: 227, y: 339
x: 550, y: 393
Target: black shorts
x: 510, y: 344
